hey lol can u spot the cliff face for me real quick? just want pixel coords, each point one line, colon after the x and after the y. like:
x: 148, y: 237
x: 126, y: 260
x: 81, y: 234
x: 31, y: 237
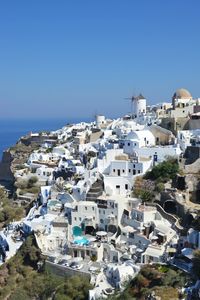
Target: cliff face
x: 6, y: 173
x: 13, y: 159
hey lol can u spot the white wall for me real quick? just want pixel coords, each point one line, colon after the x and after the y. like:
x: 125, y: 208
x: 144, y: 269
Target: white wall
x: 103, y: 164
x: 161, y: 152
x: 85, y: 209
x: 112, y: 209
x: 138, y: 139
x: 117, y: 185
x: 127, y: 168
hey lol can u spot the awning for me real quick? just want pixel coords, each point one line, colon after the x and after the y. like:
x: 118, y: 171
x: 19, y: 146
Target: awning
x: 161, y: 234
x: 128, y: 229
x: 187, y: 252
x: 171, y: 250
x: 155, y: 252
x: 92, y: 239
x: 154, y: 237
x: 139, y: 250
x: 101, y: 233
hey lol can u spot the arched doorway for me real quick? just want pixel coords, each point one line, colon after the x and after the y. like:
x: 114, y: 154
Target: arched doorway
x: 170, y: 206
x: 90, y: 230
x: 112, y: 228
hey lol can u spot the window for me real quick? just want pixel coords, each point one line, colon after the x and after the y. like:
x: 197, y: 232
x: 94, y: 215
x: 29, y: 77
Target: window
x: 115, y: 205
x: 129, y: 170
x: 123, y: 171
x: 126, y: 186
x: 138, y: 171
x: 101, y: 221
x: 128, y: 144
x: 134, y: 166
x: 74, y: 218
x: 104, y: 212
x: 92, y: 207
x: 80, y: 219
x: 135, y: 144
x: 134, y: 172
x: 117, y: 186
x: 85, y: 207
x: 114, y: 170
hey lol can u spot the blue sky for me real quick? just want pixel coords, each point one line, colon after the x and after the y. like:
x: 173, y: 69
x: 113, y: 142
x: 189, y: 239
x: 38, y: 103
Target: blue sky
x: 61, y: 59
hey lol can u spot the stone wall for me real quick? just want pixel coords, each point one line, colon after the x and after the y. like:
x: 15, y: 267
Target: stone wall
x: 192, y: 153
x: 193, y: 168
x: 65, y: 271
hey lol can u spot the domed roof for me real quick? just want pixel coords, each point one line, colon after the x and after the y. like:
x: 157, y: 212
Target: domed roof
x: 182, y: 94
x: 132, y: 136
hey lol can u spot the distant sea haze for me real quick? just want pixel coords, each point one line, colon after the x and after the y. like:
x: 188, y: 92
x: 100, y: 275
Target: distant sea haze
x: 12, y: 130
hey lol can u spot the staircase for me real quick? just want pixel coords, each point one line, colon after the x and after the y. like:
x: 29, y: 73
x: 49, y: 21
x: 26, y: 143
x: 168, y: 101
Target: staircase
x: 95, y: 191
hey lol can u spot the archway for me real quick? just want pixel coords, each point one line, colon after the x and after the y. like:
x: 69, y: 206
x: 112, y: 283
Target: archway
x: 112, y: 228
x: 189, y: 218
x: 90, y: 230
x: 170, y: 207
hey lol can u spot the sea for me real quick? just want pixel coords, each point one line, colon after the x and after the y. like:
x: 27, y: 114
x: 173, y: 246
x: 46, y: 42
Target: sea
x: 12, y: 130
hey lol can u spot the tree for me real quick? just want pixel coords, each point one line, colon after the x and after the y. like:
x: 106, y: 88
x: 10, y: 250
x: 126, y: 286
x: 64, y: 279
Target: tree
x: 30, y: 252
x: 159, y: 187
x: 75, y: 288
x: 19, y: 294
x: 144, y: 189
x: 32, y: 181
x: 164, y: 171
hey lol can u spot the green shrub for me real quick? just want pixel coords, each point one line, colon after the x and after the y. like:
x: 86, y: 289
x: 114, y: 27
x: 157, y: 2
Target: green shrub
x: 32, y: 181
x: 163, y: 171
x: 159, y: 187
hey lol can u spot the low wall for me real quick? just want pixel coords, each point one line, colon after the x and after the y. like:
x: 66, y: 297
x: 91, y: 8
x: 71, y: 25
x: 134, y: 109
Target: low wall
x: 172, y: 219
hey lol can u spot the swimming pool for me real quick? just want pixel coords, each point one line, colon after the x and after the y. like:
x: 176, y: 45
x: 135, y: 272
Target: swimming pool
x: 54, y: 205
x: 81, y: 240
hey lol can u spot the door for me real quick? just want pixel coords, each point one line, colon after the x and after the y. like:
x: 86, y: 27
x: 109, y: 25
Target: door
x: 118, y: 189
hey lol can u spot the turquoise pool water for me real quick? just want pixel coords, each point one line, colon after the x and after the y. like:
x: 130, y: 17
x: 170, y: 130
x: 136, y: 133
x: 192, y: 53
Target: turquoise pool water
x: 81, y: 240
x: 53, y: 203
